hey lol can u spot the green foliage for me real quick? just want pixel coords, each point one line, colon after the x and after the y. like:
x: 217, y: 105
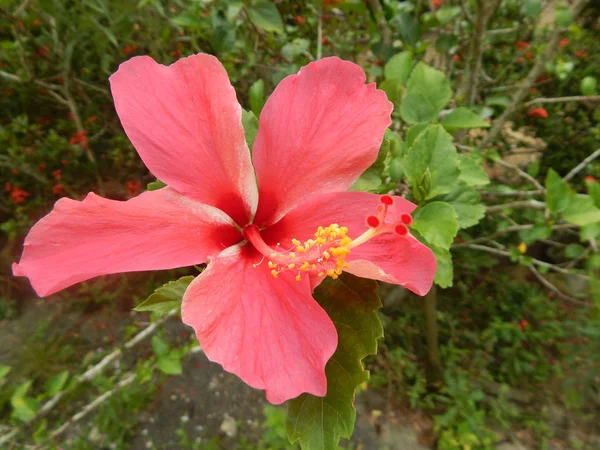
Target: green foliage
x: 427, y: 92
x: 319, y: 422
x: 265, y: 16
x: 462, y: 118
x: 167, y: 297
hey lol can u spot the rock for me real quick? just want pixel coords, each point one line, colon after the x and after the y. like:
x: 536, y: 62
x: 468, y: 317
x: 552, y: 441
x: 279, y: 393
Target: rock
x: 229, y: 426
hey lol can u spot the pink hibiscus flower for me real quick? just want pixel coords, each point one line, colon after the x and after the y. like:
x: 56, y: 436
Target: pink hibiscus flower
x: 267, y: 223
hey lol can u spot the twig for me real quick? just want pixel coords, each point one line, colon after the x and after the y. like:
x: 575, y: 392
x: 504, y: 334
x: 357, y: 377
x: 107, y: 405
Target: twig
x: 520, y: 204
x: 557, y: 291
x: 21, y: 7
x: 93, y: 405
x: 579, y: 167
x: 320, y: 35
x: 511, y: 229
x: 506, y: 254
x: 533, y: 74
x: 88, y: 375
x: 384, y: 29
x: 521, y: 172
x: 513, y: 193
x: 465, y: 12
x: 574, y: 98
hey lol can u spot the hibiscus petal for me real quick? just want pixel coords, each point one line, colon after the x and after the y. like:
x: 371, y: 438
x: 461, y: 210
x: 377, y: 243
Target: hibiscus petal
x: 319, y: 130
x: 185, y: 122
x: 155, y: 230
x: 268, y: 331
x: 391, y: 258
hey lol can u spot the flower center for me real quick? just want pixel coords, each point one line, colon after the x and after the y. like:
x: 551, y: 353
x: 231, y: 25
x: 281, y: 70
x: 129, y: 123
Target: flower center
x: 325, y: 254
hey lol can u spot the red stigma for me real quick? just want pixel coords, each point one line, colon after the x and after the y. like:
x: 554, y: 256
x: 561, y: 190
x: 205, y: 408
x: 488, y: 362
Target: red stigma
x: 373, y: 221
x: 406, y: 219
x: 387, y: 200
x: 401, y: 229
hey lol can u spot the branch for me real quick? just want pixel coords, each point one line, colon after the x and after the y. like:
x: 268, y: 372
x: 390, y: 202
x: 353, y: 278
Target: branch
x: 533, y: 74
x: 520, y: 204
x: 575, y: 98
x: 579, y: 167
x: 88, y: 375
x: 510, y: 230
x: 384, y: 29
x: 513, y: 193
x: 93, y: 405
x: 534, y: 261
x: 557, y: 291
x: 521, y: 173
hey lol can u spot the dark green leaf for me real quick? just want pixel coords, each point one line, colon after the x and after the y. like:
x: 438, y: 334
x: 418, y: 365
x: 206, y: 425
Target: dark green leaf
x: 257, y: 97
x: 265, y: 16
x: 318, y: 423
x: 250, y: 124
x: 408, y: 28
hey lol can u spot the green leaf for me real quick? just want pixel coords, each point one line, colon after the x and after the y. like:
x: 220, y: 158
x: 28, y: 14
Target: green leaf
x: 531, y: 8
x: 265, y: 16
x: 433, y: 152
x: 370, y: 179
x: 445, y: 269
x: 398, y: 67
x: 574, y: 250
x: 4, y: 371
x: 318, y: 423
x: 437, y: 223
x: 466, y: 202
x: 154, y: 185
x: 222, y: 38
x: 558, y: 192
x: 23, y: 407
x: 408, y: 28
x: 160, y: 346
x: 563, y: 17
x: 462, y: 118
x: 471, y: 171
x: 257, y: 97
x: 187, y: 21
x: 250, y: 124
x: 414, y: 131
x: 393, y: 90
x: 167, y: 297
x: 295, y: 48
x: 581, y: 210
x: 594, y: 191
x: 538, y: 232
x: 55, y: 384
x: 427, y: 92
x: 169, y: 364
x: 447, y: 13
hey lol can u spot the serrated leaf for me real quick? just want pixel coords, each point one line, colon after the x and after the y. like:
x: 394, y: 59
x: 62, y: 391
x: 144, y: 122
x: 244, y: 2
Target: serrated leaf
x: 414, y: 131
x: 167, y: 297
x: 318, y: 423
x: 250, y: 124
x: 408, y: 27
x: 398, y: 67
x: 427, y: 92
x: 265, y: 16
x: 594, y: 192
x: 558, y: 192
x: 472, y: 172
x: 462, y: 118
x: 437, y: 223
x: 466, y: 202
x: 581, y: 210
x: 55, y: 384
x: 433, y: 152
x: 257, y: 97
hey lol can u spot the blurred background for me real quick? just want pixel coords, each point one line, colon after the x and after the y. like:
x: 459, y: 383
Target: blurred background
x: 506, y: 352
